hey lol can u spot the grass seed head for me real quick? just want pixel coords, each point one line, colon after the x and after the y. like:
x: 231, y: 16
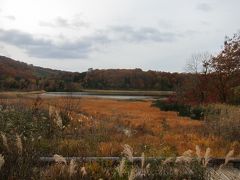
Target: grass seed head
x: 59, y: 159
x: 83, y: 171
x: 142, y: 160
x: 2, y: 161
x: 169, y: 160
x: 207, y: 156
x: 132, y: 174
x: 19, y: 144
x: 120, y: 168
x: 128, y: 152
x: 198, y: 152
x: 72, y: 168
x: 5, y: 141
x: 228, y: 156
x: 188, y: 153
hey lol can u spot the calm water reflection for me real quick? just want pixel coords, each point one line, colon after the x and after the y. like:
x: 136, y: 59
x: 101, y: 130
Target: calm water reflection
x: 86, y: 94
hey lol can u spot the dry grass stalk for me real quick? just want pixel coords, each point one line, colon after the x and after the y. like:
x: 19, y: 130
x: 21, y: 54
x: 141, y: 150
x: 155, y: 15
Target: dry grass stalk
x: 83, y: 171
x: 59, y: 159
x: 55, y: 114
x: 188, y: 153
x: 4, y: 139
x: 58, y: 119
x: 128, y: 152
x: 169, y: 160
x: 148, y: 167
x: 19, y: 144
x: 198, y: 153
x: 120, y: 168
x: 207, y: 156
x: 228, y: 157
x: 72, y: 168
x: 132, y: 174
x: 181, y: 159
x: 51, y: 111
x: 2, y: 161
x: 142, y: 160
x: 127, y: 132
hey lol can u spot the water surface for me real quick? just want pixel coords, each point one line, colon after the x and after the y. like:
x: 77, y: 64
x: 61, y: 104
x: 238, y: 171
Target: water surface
x: 87, y: 94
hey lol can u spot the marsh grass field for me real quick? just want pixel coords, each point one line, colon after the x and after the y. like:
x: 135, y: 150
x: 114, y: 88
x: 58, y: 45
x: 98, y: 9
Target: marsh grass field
x: 119, y: 90
x: 94, y: 127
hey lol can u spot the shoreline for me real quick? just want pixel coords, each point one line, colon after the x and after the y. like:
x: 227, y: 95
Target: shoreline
x: 91, y: 92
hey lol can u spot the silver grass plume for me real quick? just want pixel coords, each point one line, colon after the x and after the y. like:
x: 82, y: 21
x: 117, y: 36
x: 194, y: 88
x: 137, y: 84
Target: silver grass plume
x: 58, y: 119
x: 227, y: 158
x: 186, y: 159
x: 142, y: 160
x: 132, y: 174
x: 83, y: 171
x: 2, y: 161
x: 72, y: 168
x: 198, y: 153
x: 207, y: 156
x: 169, y: 160
x: 51, y: 111
x: 19, y: 144
x: 120, y: 168
x: 4, y: 139
x: 188, y: 153
x: 128, y: 152
x: 59, y: 159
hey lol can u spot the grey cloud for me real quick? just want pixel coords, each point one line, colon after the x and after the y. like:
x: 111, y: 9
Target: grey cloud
x: 64, y: 23
x: 204, y: 7
x: 84, y: 46
x: 3, y: 51
x: 47, y: 49
x: 131, y: 34
x: 166, y: 24
x: 12, y: 18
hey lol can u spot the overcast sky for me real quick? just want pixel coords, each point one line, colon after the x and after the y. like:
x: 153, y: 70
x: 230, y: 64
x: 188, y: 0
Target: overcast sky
x: 79, y: 34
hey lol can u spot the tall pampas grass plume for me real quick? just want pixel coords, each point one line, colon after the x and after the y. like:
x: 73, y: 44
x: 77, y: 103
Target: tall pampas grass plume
x: 228, y: 157
x: 132, y: 174
x: 59, y: 159
x: 198, y: 153
x: 55, y: 114
x: 2, y: 161
x: 121, y: 166
x: 188, y: 153
x: 168, y: 160
x: 51, y: 111
x: 72, y: 168
x: 19, y: 144
x: 207, y: 156
x: 142, y: 160
x: 128, y: 152
x: 58, y: 120
x: 5, y: 141
x: 83, y: 171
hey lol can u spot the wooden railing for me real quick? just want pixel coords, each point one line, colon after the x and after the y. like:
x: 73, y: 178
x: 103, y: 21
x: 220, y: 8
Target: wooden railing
x: 213, y: 161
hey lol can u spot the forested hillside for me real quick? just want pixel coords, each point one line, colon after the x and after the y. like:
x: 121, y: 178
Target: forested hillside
x: 133, y: 79
x: 16, y: 75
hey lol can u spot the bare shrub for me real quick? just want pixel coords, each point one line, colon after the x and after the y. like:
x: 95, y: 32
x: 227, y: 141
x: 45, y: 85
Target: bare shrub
x: 223, y: 120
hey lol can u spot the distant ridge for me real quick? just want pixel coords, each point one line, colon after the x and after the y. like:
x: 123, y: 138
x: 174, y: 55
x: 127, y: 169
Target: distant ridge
x: 10, y: 67
x: 16, y: 75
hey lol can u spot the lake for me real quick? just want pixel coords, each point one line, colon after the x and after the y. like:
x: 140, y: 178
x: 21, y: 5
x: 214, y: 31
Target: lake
x: 104, y: 96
